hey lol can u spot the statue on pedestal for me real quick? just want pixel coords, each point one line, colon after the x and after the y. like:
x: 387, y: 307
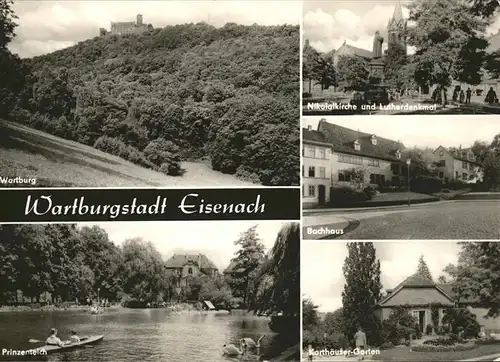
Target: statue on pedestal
x: 377, y: 45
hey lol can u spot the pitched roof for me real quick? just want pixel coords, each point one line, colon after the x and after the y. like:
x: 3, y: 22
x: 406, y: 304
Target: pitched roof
x: 342, y: 140
x: 179, y: 260
x: 414, y: 281
x: 358, y: 51
x: 313, y: 136
x: 458, y: 157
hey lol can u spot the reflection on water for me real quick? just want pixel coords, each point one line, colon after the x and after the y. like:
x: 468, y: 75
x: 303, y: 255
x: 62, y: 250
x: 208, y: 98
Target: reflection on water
x: 139, y: 335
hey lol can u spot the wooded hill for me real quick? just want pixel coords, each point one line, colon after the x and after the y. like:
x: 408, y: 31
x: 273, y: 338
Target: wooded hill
x: 186, y: 92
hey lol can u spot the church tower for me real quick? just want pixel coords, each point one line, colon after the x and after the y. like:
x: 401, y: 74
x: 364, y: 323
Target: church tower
x: 396, y: 28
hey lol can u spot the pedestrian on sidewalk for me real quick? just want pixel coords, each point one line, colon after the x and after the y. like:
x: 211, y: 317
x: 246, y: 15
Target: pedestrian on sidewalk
x: 468, y: 95
x: 310, y: 353
x: 360, y: 338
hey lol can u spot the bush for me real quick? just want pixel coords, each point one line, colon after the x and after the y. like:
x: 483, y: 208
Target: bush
x: 449, y: 348
x: 120, y: 149
x: 370, y: 191
x: 446, y: 191
x: 171, y: 168
x: 456, y: 185
x: 461, y: 319
x: 306, y: 95
x: 426, y: 184
x: 428, y: 329
x: 399, y: 326
x: 347, y: 196
x: 440, y: 342
x: 315, y: 337
x: 487, y: 341
x: 386, y: 345
x: 161, y: 151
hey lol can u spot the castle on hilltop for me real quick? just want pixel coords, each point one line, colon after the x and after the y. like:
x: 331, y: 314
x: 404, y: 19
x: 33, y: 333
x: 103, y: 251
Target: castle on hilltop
x: 127, y: 27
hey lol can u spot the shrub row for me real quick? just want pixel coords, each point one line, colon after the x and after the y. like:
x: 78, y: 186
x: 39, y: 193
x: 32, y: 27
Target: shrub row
x: 441, y: 348
x: 159, y: 155
x: 346, y: 195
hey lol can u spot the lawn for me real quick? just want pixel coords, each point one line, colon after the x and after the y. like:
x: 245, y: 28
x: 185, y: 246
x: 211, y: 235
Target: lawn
x: 405, y: 354
x: 400, y: 196
x: 57, y: 162
x: 462, y: 220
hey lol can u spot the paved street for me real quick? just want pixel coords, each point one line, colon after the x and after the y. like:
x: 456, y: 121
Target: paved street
x: 458, y: 220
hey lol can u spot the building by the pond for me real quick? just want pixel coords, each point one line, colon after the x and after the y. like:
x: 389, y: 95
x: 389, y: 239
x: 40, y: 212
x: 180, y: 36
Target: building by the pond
x: 186, y: 266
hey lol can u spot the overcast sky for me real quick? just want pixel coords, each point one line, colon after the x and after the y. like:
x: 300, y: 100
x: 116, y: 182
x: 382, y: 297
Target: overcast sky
x: 420, y: 131
x: 46, y: 26
x: 215, y: 239
x: 328, y: 23
x: 321, y: 266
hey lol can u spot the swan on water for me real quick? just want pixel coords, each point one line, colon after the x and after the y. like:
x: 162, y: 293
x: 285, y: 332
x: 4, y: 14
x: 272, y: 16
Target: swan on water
x: 231, y: 350
x: 250, y: 343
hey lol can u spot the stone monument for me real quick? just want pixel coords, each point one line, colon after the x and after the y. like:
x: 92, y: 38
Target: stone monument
x: 377, y: 63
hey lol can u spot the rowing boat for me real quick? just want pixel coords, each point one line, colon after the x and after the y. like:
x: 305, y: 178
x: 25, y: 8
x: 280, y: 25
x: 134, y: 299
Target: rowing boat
x: 83, y: 342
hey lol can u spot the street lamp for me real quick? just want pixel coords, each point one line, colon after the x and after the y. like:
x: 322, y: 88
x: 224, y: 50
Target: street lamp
x: 408, y: 162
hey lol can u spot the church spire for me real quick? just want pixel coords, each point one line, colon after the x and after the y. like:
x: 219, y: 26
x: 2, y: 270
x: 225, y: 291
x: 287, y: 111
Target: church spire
x: 398, y: 12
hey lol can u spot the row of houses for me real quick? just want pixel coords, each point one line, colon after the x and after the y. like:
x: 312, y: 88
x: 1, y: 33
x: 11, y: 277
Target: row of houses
x: 331, y: 150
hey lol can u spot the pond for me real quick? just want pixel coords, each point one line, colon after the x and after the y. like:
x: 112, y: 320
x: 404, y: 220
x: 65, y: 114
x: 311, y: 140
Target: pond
x: 139, y: 334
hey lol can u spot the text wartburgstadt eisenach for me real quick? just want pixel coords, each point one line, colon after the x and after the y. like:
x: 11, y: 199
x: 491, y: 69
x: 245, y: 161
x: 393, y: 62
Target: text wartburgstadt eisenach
x: 189, y: 204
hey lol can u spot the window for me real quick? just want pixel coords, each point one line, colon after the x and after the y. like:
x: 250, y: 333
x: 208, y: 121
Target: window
x: 395, y: 168
x: 322, y: 172
x: 322, y: 153
x: 311, y: 172
x: 303, y: 170
x: 372, y: 162
x: 357, y: 146
x: 398, y: 154
x: 344, y: 176
x: 441, y: 163
x: 464, y: 176
x: 377, y: 179
x: 309, y: 152
x: 374, y: 140
x: 312, y: 191
x: 471, y: 166
x: 190, y: 270
x: 356, y: 160
x: 456, y: 175
x: 464, y: 165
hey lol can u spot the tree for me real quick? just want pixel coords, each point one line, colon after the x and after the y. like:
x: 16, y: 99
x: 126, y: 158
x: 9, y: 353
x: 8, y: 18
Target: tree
x: 481, y: 149
x: 248, y: 258
x: 7, y: 24
x: 449, y: 43
x: 310, y: 316
x: 334, y: 322
x: 477, y: 275
x: 423, y: 269
x: 278, y: 286
x: 395, y: 60
x: 362, y: 291
x: 485, y: 8
x: 491, y: 170
x: 353, y: 72
x: 442, y: 279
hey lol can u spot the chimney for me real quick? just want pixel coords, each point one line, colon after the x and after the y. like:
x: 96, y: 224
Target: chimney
x: 139, y: 19
x: 309, y: 128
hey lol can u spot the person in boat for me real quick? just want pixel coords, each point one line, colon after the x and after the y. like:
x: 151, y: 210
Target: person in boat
x: 53, y: 340
x: 74, y: 337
